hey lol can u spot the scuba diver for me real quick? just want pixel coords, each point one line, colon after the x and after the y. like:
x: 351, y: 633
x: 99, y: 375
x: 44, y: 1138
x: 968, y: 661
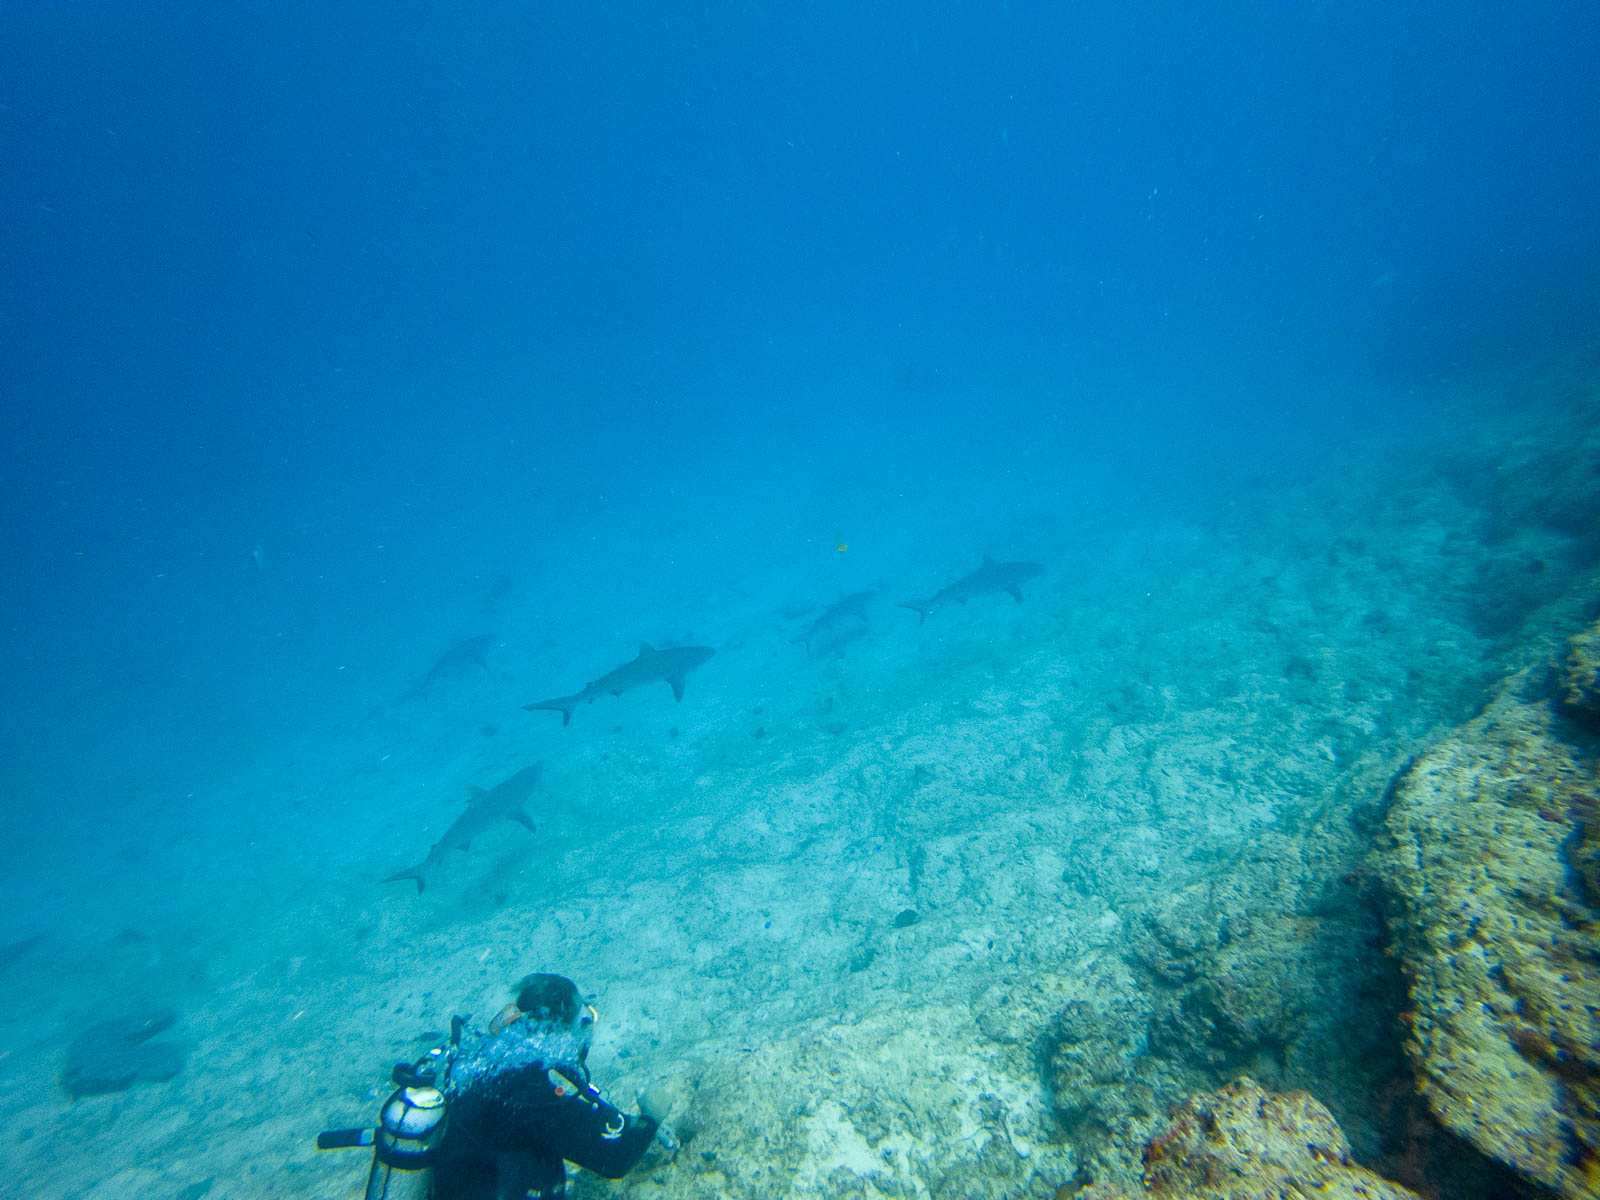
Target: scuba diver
x: 497, y: 1114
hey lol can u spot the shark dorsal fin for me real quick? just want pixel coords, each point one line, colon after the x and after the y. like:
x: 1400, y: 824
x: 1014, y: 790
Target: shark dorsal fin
x: 476, y: 795
x: 988, y: 560
x: 646, y: 648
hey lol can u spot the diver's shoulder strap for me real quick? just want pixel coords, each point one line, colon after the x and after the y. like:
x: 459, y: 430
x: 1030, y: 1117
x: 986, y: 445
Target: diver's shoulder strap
x: 433, y: 1067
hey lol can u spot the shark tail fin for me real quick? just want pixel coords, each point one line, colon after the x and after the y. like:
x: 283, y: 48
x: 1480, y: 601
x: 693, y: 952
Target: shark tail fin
x: 561, y: 704
x: 415, y: 872
x: 922, y: 609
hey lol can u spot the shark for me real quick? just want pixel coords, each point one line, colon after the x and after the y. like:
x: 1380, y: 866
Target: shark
x: 649, y: 666
x: 988, y: 580
x: 505, y: 801
x: 10, y: 952
x: 468, y: 652
x: 837, y: 616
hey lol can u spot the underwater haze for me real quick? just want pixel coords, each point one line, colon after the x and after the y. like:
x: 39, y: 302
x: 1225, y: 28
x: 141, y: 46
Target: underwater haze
x: 1102, y: 445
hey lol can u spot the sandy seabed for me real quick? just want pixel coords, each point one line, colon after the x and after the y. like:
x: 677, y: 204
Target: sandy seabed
x: 957, y: 908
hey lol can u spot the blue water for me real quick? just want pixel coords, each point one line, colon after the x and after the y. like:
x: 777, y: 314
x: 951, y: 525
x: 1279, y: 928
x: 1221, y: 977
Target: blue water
x: 330, y: 335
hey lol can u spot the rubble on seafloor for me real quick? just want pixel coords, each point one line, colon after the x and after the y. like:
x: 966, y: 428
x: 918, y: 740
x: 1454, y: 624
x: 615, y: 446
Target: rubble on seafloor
x: 1492, y: 877
x: 1242, y: 1142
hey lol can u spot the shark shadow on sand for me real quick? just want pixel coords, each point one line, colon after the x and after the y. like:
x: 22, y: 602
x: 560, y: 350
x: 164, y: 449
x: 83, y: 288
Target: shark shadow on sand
x: 468, y: 653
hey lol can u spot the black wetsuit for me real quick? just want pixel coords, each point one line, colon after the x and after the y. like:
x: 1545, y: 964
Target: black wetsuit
x: 513, y: 1132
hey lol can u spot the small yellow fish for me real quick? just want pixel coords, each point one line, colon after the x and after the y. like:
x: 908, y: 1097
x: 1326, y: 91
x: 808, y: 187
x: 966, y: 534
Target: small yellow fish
x: 839, y: 543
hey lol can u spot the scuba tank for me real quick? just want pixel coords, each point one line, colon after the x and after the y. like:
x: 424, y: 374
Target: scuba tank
x: 411, y: 1126
x: 406, y: 1142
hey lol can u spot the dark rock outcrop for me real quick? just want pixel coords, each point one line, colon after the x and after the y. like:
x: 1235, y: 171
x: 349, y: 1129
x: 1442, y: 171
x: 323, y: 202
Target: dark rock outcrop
x: 114, y: 1054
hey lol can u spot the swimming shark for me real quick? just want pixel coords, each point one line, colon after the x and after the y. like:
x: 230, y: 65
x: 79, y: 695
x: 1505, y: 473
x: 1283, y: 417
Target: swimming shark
x: 992, y: 577
x: 468, y: 652
x: 11, y: 951
x: 505, y: 801
x: 837, y: 615
x: 651, y: 666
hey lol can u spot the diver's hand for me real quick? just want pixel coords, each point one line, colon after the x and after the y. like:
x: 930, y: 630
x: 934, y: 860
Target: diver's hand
x: 659, y: 1100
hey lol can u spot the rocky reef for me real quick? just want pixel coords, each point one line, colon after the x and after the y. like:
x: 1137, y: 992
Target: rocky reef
x: 1492, y: 876
x: 1266, y: 966
x: 1244, y: 1143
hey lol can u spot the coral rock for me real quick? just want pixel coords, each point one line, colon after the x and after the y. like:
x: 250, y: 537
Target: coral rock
x: 1491, y: 877
x: 1580, y: 674
x: 1244, y: 1143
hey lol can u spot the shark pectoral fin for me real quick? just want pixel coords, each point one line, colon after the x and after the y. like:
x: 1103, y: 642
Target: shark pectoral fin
x: 920, y: 609
x: 645, y: 648
x: 1015, y: 593
x: 522, y: 818
x: 562, y: 704
x: 676, y: 684
x: 410, y: 873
